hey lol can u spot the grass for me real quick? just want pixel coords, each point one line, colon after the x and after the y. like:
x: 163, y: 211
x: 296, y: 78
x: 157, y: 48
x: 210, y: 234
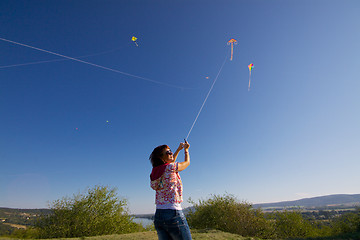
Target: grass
x: 196, y: 234
x: 151, y: 235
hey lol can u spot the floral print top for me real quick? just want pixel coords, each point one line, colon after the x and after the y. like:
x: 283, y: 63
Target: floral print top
x: 168, y: 187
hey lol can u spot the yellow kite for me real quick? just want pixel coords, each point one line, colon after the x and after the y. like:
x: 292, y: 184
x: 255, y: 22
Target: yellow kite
x: 134, y: 40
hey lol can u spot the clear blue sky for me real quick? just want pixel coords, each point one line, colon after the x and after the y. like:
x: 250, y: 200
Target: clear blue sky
x: 295, y: 134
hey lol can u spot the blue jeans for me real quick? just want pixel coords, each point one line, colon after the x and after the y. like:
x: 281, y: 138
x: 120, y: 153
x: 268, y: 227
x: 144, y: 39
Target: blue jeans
x: 171, y: 224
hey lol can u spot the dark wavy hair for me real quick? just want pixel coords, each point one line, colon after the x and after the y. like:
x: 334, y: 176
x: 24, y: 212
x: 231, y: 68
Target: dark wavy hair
x: 156, y: 154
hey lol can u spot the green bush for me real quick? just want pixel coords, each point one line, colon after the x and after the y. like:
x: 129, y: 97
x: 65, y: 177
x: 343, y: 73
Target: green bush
x: 291, y: 224
x: 29, y: 233
x: 5, y: 229
x: 347, y: 223
x: 98, y: 212
x: 225, y: 213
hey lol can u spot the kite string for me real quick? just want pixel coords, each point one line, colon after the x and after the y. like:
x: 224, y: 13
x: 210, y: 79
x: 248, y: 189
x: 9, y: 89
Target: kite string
x: 58, y: 60
x: 92, y: 64
x: 202, y: 106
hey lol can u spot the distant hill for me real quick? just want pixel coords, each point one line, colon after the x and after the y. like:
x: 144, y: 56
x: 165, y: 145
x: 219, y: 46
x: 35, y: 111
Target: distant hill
x: 323, y: 201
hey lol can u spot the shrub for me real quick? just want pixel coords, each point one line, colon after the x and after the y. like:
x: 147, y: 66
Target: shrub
x: 225, y: 213
x: 347, y: 223
x: 98, y: 212
x: 29, y: 233
x: 291, y: 224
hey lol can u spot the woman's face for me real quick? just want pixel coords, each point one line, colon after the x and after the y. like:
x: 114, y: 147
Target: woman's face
x: 167, y: 156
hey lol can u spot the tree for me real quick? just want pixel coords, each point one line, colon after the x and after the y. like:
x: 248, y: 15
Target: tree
x: 98, y: 212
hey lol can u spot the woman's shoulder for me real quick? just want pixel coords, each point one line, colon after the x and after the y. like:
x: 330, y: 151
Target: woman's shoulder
x: 172, y: 167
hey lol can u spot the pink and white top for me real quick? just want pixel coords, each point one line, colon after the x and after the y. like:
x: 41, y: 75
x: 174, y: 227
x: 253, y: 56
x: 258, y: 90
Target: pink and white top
x: 166, y: 181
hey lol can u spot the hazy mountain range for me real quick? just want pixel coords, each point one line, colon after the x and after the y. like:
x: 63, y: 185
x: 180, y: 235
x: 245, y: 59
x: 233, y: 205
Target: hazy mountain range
x: 329, y: 200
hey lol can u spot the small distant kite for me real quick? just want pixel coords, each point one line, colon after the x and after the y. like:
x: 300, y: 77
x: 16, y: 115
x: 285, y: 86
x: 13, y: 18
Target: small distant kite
x: 250, y: 66
x: 231, y: 42
x: 134, y: 40
x: 207, y: 77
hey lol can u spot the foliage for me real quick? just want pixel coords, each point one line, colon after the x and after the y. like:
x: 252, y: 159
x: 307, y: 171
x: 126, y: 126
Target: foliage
x: 347, y: 223
x: 5, y: 229
x: 98, y: 212
x: 225, y: 213
x: 291, y: 224
x: 29, y: 233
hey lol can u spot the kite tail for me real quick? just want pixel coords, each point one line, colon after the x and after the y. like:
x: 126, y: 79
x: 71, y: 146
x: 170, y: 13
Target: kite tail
x: 232, y: 50
x: 249, y: 81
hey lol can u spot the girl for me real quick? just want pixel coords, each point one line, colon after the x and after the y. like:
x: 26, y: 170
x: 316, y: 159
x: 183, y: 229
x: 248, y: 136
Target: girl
x: 170, y: 221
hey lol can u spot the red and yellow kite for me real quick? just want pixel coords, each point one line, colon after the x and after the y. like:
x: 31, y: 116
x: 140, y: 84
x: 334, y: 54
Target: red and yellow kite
x: 231, y: 42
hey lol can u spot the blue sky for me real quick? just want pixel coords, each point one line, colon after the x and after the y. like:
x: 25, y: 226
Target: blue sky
x: 295, y: 134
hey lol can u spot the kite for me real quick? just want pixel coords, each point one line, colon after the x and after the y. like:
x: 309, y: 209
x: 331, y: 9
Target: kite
x: 134, y: 40
x: 250, y: 66
x: 231, y: 42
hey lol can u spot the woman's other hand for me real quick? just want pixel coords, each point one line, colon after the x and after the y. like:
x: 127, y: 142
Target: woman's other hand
x: 181, y: 146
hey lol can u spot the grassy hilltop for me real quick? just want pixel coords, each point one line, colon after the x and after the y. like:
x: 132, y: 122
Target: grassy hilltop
x: 196, y: 234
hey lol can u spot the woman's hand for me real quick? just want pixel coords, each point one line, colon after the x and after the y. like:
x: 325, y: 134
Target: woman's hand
x: 186, y: 145
x: 183, y: 165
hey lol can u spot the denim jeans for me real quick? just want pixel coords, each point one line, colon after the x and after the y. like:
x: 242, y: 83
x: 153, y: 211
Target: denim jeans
x: 171, y: 224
